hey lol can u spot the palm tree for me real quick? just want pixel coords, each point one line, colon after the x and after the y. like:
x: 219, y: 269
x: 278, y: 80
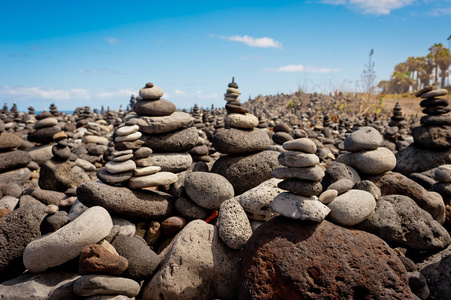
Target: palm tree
x: 443, y: 64
x: 435, y: 52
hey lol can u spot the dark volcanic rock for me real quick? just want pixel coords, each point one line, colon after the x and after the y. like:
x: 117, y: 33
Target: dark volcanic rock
x: 305, y: 260
x: 433, y: 137
x: 437, y: 270
x: 414, y: 159
x: 57, y: 176
x: 125, y: 202
x: 43, y: 135
x: 240, y: 141
x: 247, y: 171
x: 17, y: 229
x: 9, y: 141
x: 337, y: 171
x: 178, y: 141
x: 159, y: 107
x: 142, y: 261
x: 397, y: 219
x: 14, y: 160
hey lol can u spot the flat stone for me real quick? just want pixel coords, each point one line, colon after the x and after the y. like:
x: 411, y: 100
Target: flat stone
x: 301, y: 187
x: 208, y: 190
x: 190, y: 210
x: 366, y: 138
x: 120, y: 167
x: 434, y: 93
x: 122, y: 157
x: 257, y: 201
x: 314, y: 173
x: 243, y: 121
x: 376, y: 161
x: 127, y: 130
x: 124, y: 202
x: 156, y: 125
x: 142, y: 261
x: 159, y: 107
x: 91, y: 285
x: 436, y: 110
x: 128, y: 145
x: 197, y: 265
x: 48, y: 197
x: 399, y: 220
x: 151, y: 93
x: 9, y: 141
x: 172, y: 162
x: 146, y: 170
x: 47, y: 122
x: 238, y: 141
x: 157, y: 179
x: 298, y: 159
x: 66, y: 243
x: 128, y: 138
x: 234, y: 226
x: 352, y: 207
x: 436, y: 120
x: 176, y: 141
x: 299, y: 207
x: 433, y: 102
x: 8, y: 202
x: 96, y: 259
x: 246, y: 171
x: 113, y: 178
x: 41, y: 154
x: 44, y: 286
x: 282, y: 127
x: 236, y: 109
x: 100, y: 140
x: 330, y: 256
x: 301, y: 144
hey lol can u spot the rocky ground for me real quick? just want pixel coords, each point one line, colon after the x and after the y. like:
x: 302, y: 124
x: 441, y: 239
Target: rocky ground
x: 303, y: 196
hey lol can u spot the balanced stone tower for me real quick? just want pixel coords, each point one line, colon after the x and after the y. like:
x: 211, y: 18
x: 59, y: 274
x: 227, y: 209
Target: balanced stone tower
x: 302, y: 177
x: 247, y: 163
x: 169, y: 133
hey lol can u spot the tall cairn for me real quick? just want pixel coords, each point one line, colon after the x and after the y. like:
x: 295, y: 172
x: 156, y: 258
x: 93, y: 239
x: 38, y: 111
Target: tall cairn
x: 168, y: 132
x: 245, y: 145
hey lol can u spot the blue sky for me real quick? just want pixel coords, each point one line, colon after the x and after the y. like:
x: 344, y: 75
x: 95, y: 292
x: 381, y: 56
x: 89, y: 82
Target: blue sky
x: 77, y: 53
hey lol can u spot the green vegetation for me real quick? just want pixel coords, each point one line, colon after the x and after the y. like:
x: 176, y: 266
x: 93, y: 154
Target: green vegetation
x: 417, y: 72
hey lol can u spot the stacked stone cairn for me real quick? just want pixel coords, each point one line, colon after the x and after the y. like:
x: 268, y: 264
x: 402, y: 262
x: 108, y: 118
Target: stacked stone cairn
x: 437, y: 124
x: 61, y: 150
x: 54, y: 110
x: 13, y: 162
x: 45, y: 128
x: 31, y: 118
x: 302, y: 177
x: 244, y: 144
x: 396, y: 131
x: 197, y: 117
x: 169, y: 133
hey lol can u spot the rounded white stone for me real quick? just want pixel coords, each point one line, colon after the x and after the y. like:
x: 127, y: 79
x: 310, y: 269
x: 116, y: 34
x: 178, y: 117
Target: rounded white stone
x: 302, y: 144
x: 243, y: 121
x: 146, y: 170
x: 233, y: 91
x: 372, y: 162
x: 299, y: 207
x: 95, y: 139
x: 128, y: 138
x: 152, y: 93
x: 157, y: 179
x: 352, y: 207
x: 298, y: 159
x: 126, y: 130
x: 328, y: 196
x: 66, y: 243
x: 119, y: 167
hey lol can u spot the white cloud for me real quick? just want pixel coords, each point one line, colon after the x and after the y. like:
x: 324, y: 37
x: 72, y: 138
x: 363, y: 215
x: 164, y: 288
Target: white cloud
x: 44, y: 93
x: 302, y: 68
x: 178, y: 92
x: 112, y: 40
x: 440, y: 11
x: 376, y: 7
x: 263, y: 42
x: 197, y: 95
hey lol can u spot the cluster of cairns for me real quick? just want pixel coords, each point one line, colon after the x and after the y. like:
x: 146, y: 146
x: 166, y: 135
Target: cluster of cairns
x: 201, y: 206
